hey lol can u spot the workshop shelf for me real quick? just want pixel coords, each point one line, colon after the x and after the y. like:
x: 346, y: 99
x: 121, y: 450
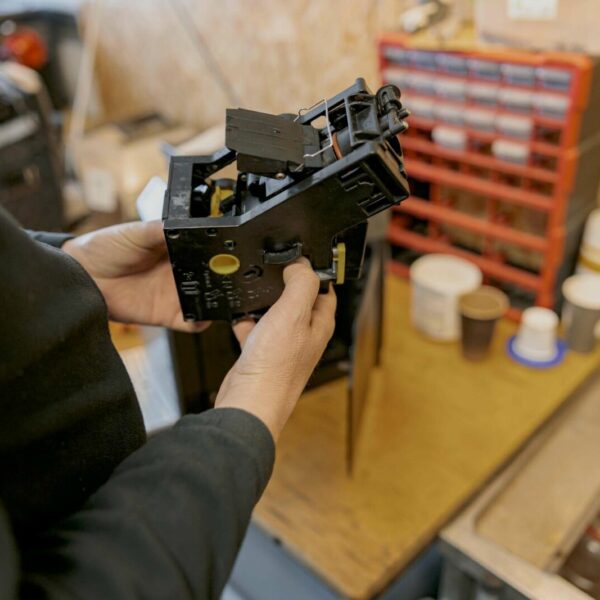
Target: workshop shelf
x: 502, y: 157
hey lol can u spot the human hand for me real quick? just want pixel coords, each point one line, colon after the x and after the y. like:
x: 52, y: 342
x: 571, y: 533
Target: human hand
x: 130, y: 266
x: 280, y: 352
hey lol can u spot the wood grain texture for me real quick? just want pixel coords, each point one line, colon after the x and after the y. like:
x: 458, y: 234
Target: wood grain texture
x: 278, y: 56
x: 435, y: 429
x: 540, y: 513
x: 465, y: 533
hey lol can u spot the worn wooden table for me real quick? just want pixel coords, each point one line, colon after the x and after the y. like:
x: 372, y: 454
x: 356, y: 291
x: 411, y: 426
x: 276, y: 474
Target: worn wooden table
x: 435, y: 429
x: 524, y: 524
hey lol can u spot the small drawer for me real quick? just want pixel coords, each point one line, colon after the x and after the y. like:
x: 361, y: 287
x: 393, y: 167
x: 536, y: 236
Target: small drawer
x: 422, y: 59
x: 510, y: 151
x: 421, y: 82
x: 517, y: 100
x: 554, y: 78
x: 452, y: 63
x: 518, y: 74
x: 453, y: 115
x: 451, y: 89
x: 395, y: 54
x: 484, y: 69
x: 396, y: 76
x: 554, y: 106
x: 483, y: 93
x: 420, y: 107
x: 481, y: 119
x: 449, y: 137
x: 512, y: 126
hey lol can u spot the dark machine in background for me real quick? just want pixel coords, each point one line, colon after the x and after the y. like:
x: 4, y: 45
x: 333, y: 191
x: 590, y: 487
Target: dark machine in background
x: 31, y: 171
x: 22, y: 32
x: 31, y: 161
x: 306, y: 185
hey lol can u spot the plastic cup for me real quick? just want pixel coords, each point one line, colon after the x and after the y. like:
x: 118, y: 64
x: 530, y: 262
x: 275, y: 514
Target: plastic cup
x: 536, y: 338
x: 479, y: 312
x: 581, y: 311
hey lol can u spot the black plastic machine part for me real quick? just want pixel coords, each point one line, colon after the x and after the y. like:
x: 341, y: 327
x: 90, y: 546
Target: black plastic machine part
x: 306, y: 185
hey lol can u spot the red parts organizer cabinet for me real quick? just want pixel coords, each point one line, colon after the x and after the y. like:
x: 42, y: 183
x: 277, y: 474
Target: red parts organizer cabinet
x: 503, y: 154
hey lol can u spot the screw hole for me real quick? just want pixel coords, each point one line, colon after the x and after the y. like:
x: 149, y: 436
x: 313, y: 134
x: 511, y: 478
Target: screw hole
x: 211, y: 232
x: 229, y: 244
x: 173, y: 234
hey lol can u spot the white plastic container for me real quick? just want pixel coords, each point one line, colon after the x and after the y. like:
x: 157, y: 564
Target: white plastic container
x: 420, y: 106
x: 483, y: 93
x: 479, y: 118
x: 484, y: 69
x: 589, y: 251
x: 554, y: 106
x: 396, y: 76
x: 518, y: 74
x: 437, y: 281
x: 453, y: 115
x: 449, y: 137
x: 554, y: 78
x: 518, y: 100
x: 422, y: 83
x: 510, y: 151
x: 510, y: 125
x: 450, y: 88
x: 536, y: 338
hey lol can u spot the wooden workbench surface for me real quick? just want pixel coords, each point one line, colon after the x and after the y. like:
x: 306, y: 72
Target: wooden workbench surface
x: 434, y: 430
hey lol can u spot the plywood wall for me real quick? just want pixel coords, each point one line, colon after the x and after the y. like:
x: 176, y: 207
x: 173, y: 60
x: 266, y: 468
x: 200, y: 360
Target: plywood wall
x: 278, y: 54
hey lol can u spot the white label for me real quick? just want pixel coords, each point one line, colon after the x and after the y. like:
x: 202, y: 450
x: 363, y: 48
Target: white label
x: 532, y: 10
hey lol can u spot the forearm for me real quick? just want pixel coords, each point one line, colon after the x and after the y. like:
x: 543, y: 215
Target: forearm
x: 169, y: 522
x: 267, y: 399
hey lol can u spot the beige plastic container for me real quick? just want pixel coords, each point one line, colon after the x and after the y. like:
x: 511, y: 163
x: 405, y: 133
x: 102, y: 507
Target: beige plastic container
x: 437, y: 282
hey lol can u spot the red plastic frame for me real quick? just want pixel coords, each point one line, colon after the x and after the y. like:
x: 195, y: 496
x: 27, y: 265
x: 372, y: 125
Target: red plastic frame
x: 544, y: 183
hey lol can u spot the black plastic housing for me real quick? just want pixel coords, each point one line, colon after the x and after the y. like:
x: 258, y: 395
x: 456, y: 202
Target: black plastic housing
x: 292, y: 204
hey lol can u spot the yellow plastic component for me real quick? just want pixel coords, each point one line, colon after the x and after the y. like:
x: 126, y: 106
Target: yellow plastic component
x: 341, y: 263
x: 215, y: 200
x: 224, y: 264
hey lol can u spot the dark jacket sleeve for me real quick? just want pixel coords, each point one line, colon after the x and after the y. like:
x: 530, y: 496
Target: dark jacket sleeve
x: 68, y: 411
x: 85, y: 512
x: 167, y: 524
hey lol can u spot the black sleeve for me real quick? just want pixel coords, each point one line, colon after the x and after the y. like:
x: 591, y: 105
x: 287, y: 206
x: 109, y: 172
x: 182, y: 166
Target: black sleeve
x: 85, y: 512
x: 168, y: 523
x: 68, y: 411
x: 50, y: 238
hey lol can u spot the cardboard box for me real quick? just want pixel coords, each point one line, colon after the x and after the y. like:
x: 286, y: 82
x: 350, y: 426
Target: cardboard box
x: 540, y: 24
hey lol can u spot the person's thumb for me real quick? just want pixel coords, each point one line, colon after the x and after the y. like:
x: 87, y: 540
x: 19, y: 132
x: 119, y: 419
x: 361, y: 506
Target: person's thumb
x: 148, y: 235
